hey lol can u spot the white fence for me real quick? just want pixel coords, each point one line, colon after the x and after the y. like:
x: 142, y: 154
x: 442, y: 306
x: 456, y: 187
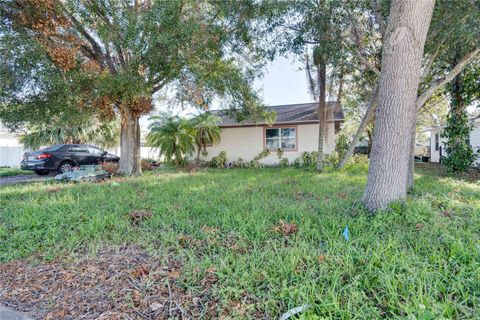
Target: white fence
x: 11, y: 156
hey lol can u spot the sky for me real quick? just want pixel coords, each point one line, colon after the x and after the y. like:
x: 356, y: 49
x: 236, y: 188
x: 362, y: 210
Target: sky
x: 282, y: 83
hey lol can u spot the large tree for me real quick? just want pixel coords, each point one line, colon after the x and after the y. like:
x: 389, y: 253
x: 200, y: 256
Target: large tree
x: 115, y: 55
x: 401, y: 68
x: 451, y: 22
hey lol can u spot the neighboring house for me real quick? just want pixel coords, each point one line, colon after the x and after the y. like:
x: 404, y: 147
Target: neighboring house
x: 295, y: 130
x: 11, y: 151
x: 437, y: 143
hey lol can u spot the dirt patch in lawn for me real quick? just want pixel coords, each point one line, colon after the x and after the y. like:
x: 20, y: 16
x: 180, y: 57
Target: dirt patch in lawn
x: 121, y: 284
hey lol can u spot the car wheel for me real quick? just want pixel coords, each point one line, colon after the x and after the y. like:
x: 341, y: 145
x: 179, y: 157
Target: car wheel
x: 42, y: 172
x: 65, y: 166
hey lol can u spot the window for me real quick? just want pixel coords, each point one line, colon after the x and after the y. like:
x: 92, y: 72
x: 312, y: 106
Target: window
x: 437, y: 142
x: 280, y: 138
x: 52, y: 148
x: 95, y: 151
x: 78, y: 149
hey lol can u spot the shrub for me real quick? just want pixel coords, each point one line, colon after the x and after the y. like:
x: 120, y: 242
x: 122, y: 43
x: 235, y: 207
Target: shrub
x: 255, y: 164
x: 341, y: 145
x: 192, y: 167
x: 309, y: 159
x: 283, y: 163
x: 219, y: 161
x: 204, y: 163
x: 306, y: 159
x: 262, y: 154
x: 239, y: 163
x: 314, y: 157
x: 297, y: 163
x: 359, y: 159
x: 331, y: 160
x: 110, y: 167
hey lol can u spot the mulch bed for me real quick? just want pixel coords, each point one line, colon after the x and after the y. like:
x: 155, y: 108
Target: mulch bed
x: 121, y: 284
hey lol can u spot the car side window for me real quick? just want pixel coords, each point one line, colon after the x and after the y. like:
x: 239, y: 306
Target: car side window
x: 78, y: 149
x: 95, y: 151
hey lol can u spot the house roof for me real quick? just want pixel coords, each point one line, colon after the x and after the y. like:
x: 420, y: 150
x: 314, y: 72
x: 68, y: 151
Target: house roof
x: 288, y: 114
x: 442, y: 126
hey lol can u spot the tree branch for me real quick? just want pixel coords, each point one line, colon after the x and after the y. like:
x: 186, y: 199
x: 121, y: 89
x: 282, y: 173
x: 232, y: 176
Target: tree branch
x: 377, y: 11
x: 449, y: 77
x: 430, y: 62
x: 359, y: 51
x: 95, y: 46
x: 372, y: 106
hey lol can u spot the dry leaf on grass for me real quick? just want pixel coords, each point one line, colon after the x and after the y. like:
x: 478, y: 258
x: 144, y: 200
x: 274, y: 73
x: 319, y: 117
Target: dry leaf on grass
x: 137, y: 216
x: 285, y: 228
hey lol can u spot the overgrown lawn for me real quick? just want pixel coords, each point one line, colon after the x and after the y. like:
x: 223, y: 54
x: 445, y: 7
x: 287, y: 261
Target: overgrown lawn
x: 8, y: 172
x: 421, y: 259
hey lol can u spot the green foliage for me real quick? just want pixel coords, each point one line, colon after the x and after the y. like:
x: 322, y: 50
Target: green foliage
x: 173, y: 136
x: 265, y: 153
x: 220, y: 160
x: 309, y: 159
x: 255, y: 164
x: 421, y: 256
x: 459, y: 154
x: 206, y: 131
x: 8, y: 172
x: 239, y: 163
x: 341, y: 145
x: 297, y: 163
x: 283, y: 163
x: 331, y: 160
x: 101, y: 134
x: 115, y: 57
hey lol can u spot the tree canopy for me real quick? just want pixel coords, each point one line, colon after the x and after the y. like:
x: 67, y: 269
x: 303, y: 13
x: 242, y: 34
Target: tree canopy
x: 110, y: 57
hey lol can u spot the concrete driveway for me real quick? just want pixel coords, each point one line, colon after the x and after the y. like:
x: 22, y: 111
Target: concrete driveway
x: 23, y: 178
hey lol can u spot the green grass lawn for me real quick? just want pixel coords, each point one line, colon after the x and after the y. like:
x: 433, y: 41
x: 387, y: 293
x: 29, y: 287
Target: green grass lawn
x: 419, y: 260
x: 8, y: 172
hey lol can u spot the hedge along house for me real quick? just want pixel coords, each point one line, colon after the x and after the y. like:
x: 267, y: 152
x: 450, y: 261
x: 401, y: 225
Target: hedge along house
x: 295, y: 131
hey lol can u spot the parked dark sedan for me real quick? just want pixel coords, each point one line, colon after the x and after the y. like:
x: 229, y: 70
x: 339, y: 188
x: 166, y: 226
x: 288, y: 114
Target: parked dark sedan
x: 64, y: 157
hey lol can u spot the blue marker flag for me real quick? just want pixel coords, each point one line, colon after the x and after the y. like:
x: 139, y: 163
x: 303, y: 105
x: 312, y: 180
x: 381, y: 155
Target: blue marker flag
x: 345, y: 233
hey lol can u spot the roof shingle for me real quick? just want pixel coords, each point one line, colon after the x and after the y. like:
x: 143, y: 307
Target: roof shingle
x: 290, y: 113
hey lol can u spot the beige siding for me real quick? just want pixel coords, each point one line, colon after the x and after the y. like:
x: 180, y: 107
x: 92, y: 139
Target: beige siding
x: 247, y: 142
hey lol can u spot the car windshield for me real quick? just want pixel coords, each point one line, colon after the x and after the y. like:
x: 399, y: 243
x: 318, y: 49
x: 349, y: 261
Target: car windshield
x: 52, y: 148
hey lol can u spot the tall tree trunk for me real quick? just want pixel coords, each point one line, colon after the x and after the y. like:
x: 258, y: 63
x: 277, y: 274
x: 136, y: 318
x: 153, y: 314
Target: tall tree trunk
x: 130, y: 159
x: 199, y: 150
x: 370, y: 141
x: 411, y: 155
x: 367, y: 117
x: 401, y: 65
x: 322, y: 112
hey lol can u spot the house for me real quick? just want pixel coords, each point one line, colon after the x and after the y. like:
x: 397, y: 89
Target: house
x: 295, y: 131
x: 437, y: 143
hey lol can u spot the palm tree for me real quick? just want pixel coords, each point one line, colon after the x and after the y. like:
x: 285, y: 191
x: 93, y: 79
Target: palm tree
x: 101, y: 134
x: 206, y: 131
x: 172, y: 136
